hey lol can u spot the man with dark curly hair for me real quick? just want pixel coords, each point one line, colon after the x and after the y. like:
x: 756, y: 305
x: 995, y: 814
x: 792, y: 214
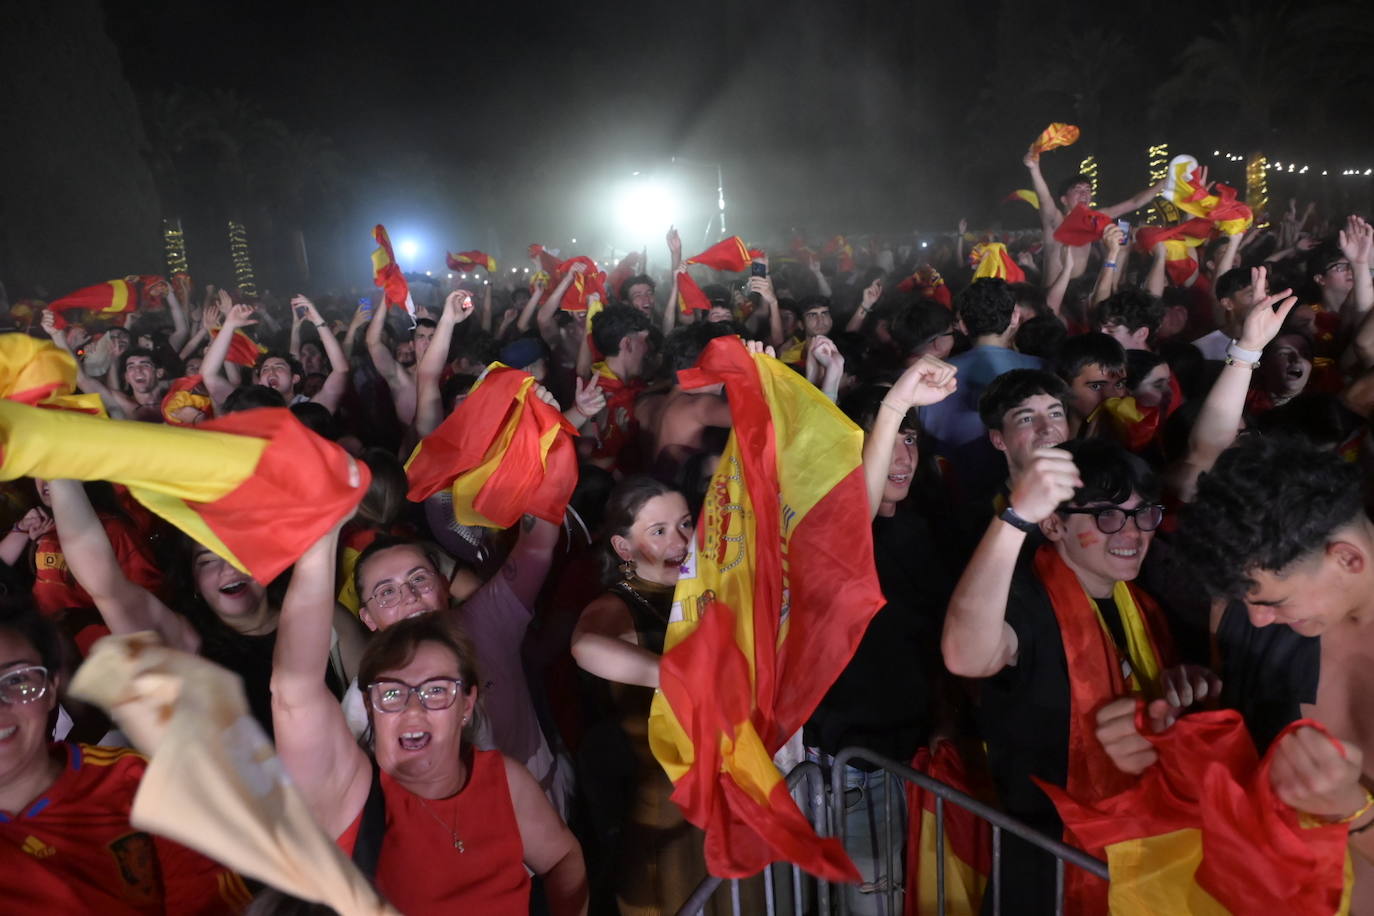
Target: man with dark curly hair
x: 1280, y: 524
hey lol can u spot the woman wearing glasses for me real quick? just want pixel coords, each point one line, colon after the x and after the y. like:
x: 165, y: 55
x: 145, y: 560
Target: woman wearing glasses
x: 460, y: 825
x: 65, y: 837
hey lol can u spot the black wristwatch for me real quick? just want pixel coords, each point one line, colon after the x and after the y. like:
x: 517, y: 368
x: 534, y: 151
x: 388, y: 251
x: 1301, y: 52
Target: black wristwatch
x: 1011, y: 518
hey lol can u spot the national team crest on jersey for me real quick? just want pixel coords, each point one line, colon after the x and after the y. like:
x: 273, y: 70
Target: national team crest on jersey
x: 136, y: 856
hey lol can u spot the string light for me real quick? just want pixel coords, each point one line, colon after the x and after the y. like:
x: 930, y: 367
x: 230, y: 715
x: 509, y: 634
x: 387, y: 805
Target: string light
x: 1257, y: 184
x: 1089, y: 167
x: 174, y: 242
x: 243, y: 266
x: 1158, y: 156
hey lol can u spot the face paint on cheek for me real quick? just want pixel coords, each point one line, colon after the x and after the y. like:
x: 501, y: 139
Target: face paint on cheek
x: 1087, y: 538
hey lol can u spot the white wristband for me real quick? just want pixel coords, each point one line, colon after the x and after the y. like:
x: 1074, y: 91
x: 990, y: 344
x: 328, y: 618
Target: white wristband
x: 1236, y: 351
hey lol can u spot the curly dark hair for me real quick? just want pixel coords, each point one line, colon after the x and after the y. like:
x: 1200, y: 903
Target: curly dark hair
x: 985, y: 306
x: 1011, y: 388
x: 1134, y: 309
x: 1268, y: 501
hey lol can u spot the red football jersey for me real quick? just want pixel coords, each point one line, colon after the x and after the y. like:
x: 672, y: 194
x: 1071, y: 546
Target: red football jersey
x: 74, y: 851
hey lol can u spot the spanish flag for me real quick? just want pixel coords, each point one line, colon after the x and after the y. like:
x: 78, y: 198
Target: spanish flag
x: 243, y: 350
x: 470, y: 260
x: 1179, y: 264
x: 1024, y: 194
x: 503, y: 452
x: 928, y: 282
x: 731, y: 255
x: 1184, y: 188
x: 1053, y: 137
x: 187, y: 403
x: 967, y: 840
x: 37, y: 373
x: 588, y: 286
x: 255, y: 487
x: 991, y: 259
x: 779, y: 590
x: 1201, y: 830
x: 113, y: 297
x: 386, y: 273
x: 1082, y: 226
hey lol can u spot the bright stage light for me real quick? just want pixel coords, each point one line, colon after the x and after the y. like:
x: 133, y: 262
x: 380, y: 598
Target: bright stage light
x: 408, y: 249
x: 644, y: 209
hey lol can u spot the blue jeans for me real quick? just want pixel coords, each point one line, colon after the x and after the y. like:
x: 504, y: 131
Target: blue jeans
x: 866, y: 837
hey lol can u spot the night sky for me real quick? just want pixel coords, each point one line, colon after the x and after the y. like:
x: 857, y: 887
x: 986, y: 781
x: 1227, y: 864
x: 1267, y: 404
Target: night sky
x: 500, y: 124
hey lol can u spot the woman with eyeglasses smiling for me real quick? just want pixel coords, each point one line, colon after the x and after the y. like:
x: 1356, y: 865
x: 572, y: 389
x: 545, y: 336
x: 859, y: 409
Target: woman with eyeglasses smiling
x: 437, y: 823
x: 66, y: 843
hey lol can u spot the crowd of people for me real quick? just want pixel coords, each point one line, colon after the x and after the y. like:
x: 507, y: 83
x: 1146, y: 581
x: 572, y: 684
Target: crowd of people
x: 1112, y: 479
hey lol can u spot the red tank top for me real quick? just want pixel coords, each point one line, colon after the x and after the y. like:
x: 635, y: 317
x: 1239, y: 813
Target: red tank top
x: 420, y: 872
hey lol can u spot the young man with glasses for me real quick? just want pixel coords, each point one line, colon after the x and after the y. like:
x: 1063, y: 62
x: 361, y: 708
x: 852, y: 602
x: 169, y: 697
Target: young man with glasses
x: 398, y: 578
x: 1056, y: 633
x: 66, y: 844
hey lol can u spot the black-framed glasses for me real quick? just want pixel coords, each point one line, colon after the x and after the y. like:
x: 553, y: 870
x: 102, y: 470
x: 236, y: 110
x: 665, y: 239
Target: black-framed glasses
x: 391, y: 594
x: 23, y: 685
x: 435, y: 694
x: 1111, y: 519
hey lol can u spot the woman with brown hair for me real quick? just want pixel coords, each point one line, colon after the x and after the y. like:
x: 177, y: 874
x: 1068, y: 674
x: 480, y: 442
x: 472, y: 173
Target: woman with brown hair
x: 438, y: 823
x: 619, y: 638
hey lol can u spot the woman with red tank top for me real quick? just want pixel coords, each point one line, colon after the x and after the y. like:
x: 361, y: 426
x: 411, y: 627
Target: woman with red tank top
x: 461, y: 826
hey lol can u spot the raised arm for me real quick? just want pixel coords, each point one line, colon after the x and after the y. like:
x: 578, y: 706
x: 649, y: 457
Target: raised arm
x: 675, y: 261
x: 376, y: 347
x: 486, y: 306
x: 822, y: 284
x: 529, y: 561
x: 1054, y: 296
x: 360, y: 317
x: 1229, y: 254
x: 526, y: 319
x: 317, y: 749
x: 764, y: 287
x: 871, y: 295
x: 125, y: 606
x: 116, y: 401
x: 332, y: 391
x: 1111, y: 268
x: 219, y: 387
x: 1357, y: 243
x: 1218, y: 421
x: 548, y: 328
x: 1132, y: 204
x: 825, y: 366
x: 977, y: 640
x: 588, y: 401
x: 1050, y: 217
x: 429, y: 404
x: 297, y: 319
x: 35, y: 523
x: 926, y: 381
x: 181, y: 329
x: 1155, y: 280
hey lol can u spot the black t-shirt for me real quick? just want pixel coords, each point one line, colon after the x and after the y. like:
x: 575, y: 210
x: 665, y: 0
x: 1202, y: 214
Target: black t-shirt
x: 883, y: 699
x: 1024, y: 709
x: 1266, y: 672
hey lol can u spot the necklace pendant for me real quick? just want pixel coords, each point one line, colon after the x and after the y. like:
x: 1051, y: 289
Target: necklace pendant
x: 458, y: 845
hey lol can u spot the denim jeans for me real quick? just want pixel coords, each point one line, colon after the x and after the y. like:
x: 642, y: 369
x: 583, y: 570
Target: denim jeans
x: 866, y: 837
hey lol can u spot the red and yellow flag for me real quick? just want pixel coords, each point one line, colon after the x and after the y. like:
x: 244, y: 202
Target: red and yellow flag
x: 1023, y: 194
x: 967, y: 840
x: 113, y: 297
x: 386, y: 273
x: 1201, y: 830
x: 588, y: 286
x: 37, y: 373
x: 1082, y: 226
x: 778, y: 592
x: 928, y: 282
x: 1053, y: 137
x: 503, y: 452
x: 243, y: 350
x: 991, y: 259
x: 469, y: 260
x: 731, y: 255
x: 187, y: 403
x: 255, y: 487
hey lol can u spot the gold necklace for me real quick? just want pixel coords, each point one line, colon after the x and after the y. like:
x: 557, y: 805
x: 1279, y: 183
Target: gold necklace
x: 453, y: 832
x: 457, y: 840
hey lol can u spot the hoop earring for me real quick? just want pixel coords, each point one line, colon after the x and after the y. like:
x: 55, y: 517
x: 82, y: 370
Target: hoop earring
x: 627, y: 569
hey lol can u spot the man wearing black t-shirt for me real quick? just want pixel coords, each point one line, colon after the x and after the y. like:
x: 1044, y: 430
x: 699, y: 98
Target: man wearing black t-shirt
x: 1056, y: 634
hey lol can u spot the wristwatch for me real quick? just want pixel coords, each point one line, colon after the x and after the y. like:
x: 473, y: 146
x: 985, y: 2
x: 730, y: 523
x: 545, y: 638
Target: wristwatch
x: 1011, y: 518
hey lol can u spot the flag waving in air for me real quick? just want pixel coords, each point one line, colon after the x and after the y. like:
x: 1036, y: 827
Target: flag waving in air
x: 386, y: 273
x: 114, y: 297
x: 756, y: 639
x: 991, y: 259
x: 1053, y: 137
x: 731, y: 255
x: 470, y: 260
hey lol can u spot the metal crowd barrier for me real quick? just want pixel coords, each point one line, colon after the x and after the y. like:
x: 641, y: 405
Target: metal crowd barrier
x: 826, y: 815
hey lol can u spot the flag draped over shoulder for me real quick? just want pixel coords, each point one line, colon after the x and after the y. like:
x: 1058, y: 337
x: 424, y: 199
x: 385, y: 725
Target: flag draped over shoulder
x: 731, y: 255
x: 255, y: 487
x: 991, y: 259
x: 113, y: 297
x: 503, y: 452
x: 1201, y: 831
x: 1053, y: 137
x: 756, y: 637
x: 386, y: 273
x: 469, y: 260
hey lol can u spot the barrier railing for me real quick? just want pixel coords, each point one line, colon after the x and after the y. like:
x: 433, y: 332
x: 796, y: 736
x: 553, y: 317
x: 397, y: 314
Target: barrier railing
x: 829, y: 816
x: 947, y: 794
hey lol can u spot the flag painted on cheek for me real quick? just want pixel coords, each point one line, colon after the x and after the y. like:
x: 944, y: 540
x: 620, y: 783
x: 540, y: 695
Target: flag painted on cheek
x: 755, y: 638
